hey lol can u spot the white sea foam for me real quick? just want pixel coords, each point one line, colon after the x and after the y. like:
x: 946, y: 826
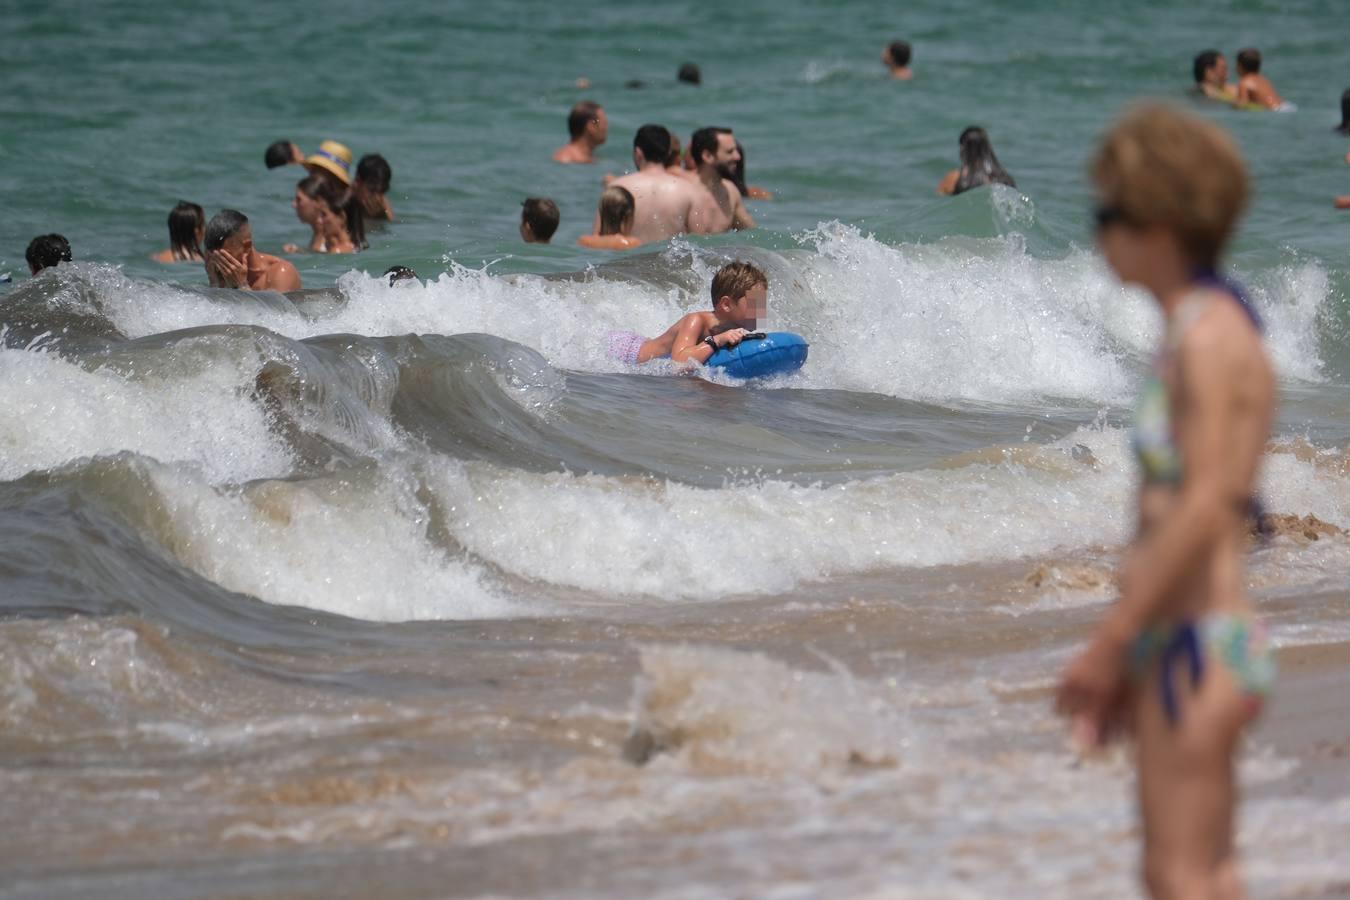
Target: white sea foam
x: 356, y: 545
x: 959, y: 319
x: 55, y: 412
x: 625, y: 536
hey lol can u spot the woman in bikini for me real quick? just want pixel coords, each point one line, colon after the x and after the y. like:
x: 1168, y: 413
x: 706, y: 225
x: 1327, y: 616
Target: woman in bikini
x: 1180, y: 660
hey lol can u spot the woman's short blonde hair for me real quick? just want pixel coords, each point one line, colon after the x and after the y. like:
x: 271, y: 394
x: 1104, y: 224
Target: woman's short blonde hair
x: 1161, y: 166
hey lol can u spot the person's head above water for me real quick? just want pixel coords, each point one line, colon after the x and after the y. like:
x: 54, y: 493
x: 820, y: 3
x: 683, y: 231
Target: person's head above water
x: 715, y: 147
x: 397, y: 274
x: 1249, y: 61
x: 740, y: 294
x: 539, y: 218
x: 651, y: 145
x: 282, y: 153
x: 340, y: 213
x: 331, y: 159
x: 306, y: 201
x: 897, y: 54
x: 228, y: 230
x: 1344, y: 127
x: 373, y: 173
x: 689, y: 74
x: 673, y: 157
x: 1162, y: 175
x: 187, y: 225
x: 587, y: 120
x: 617, y: 208
x: 1210, y: 68
x: 979, y: 164
x: 45, y: 251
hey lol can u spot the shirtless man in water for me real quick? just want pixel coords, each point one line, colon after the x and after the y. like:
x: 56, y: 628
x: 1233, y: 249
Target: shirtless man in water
x: 1252, y: 86
x: 720, y: 207
x: 664, y: 203
x: 587, y: 129
x: 232, y: 262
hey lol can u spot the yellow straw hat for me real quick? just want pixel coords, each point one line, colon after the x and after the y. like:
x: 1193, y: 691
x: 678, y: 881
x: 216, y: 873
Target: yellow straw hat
x: 333, y: 158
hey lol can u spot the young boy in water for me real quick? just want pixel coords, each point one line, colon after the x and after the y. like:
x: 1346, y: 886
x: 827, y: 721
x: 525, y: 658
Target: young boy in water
x: 1252, y: 86
x: 739, y: 298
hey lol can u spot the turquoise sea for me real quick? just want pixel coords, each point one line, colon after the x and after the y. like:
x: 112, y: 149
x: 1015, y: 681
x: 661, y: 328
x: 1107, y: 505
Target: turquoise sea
x: 411, y: 591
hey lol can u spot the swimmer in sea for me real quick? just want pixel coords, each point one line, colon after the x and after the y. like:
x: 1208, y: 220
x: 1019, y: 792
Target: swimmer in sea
x: 740, y: 300
x: 46, y: 251
x: 1210, y: 70
x: 720, y: 206
x: 1180, y: 660
x: 748, y: 191
x: 539, y: 218
x: 400, y: 275
x: 187, y: 226
x: 979, y: 165
x: 1253, y: 87
x: 232, y: 261
x: 341, y: 220
x: 372, y: 184
x: 663, y: 202
x: 332, y: 161
x: 616, y: 222
x: 896, y: 58
x: 283, y: 153
x: 307, y: 208
x: 675, y: 159
x: 588, y: 129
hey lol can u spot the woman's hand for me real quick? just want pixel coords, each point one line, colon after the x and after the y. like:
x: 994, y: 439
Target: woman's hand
x: 1092, y: 692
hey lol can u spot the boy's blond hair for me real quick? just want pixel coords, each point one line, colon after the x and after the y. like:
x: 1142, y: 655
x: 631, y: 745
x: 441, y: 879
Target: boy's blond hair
x: 735, y: 278
x: 1161, y: 166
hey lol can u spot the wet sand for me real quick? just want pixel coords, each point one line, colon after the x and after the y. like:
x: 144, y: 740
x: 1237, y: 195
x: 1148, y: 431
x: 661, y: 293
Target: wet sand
x: 821, y: 745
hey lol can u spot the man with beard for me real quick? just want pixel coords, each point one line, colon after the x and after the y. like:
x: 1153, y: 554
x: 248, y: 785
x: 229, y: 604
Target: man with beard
x: 720, y: 206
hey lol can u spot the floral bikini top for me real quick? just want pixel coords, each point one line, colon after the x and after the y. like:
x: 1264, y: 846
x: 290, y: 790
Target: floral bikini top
x: 1154, y: 439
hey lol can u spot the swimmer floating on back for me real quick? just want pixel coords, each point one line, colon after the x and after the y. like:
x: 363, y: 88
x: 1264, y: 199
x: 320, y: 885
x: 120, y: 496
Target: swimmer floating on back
x: 740, y: 298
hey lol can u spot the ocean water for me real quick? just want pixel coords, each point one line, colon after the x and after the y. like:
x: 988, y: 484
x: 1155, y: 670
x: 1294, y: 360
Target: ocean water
x: 411, y: 591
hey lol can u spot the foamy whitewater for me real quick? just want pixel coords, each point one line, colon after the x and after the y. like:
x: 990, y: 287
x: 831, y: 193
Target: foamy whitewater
x: 411, y: 590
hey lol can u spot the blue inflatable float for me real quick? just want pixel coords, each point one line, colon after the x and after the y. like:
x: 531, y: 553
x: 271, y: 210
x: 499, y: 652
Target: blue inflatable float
x: 762, y: 355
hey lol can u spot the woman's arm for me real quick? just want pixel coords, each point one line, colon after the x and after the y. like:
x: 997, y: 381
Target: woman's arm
x: 1211, y: 499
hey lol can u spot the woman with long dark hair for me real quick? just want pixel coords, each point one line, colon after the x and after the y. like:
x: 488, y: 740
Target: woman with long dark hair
x: 979, y: 165
x: 307, y: 207
x: 341, y: 220
x: 371, y: 186
x: 187, y: 224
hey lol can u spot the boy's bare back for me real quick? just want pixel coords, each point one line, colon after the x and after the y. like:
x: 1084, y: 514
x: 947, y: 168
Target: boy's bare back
x: 1258, y: 89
